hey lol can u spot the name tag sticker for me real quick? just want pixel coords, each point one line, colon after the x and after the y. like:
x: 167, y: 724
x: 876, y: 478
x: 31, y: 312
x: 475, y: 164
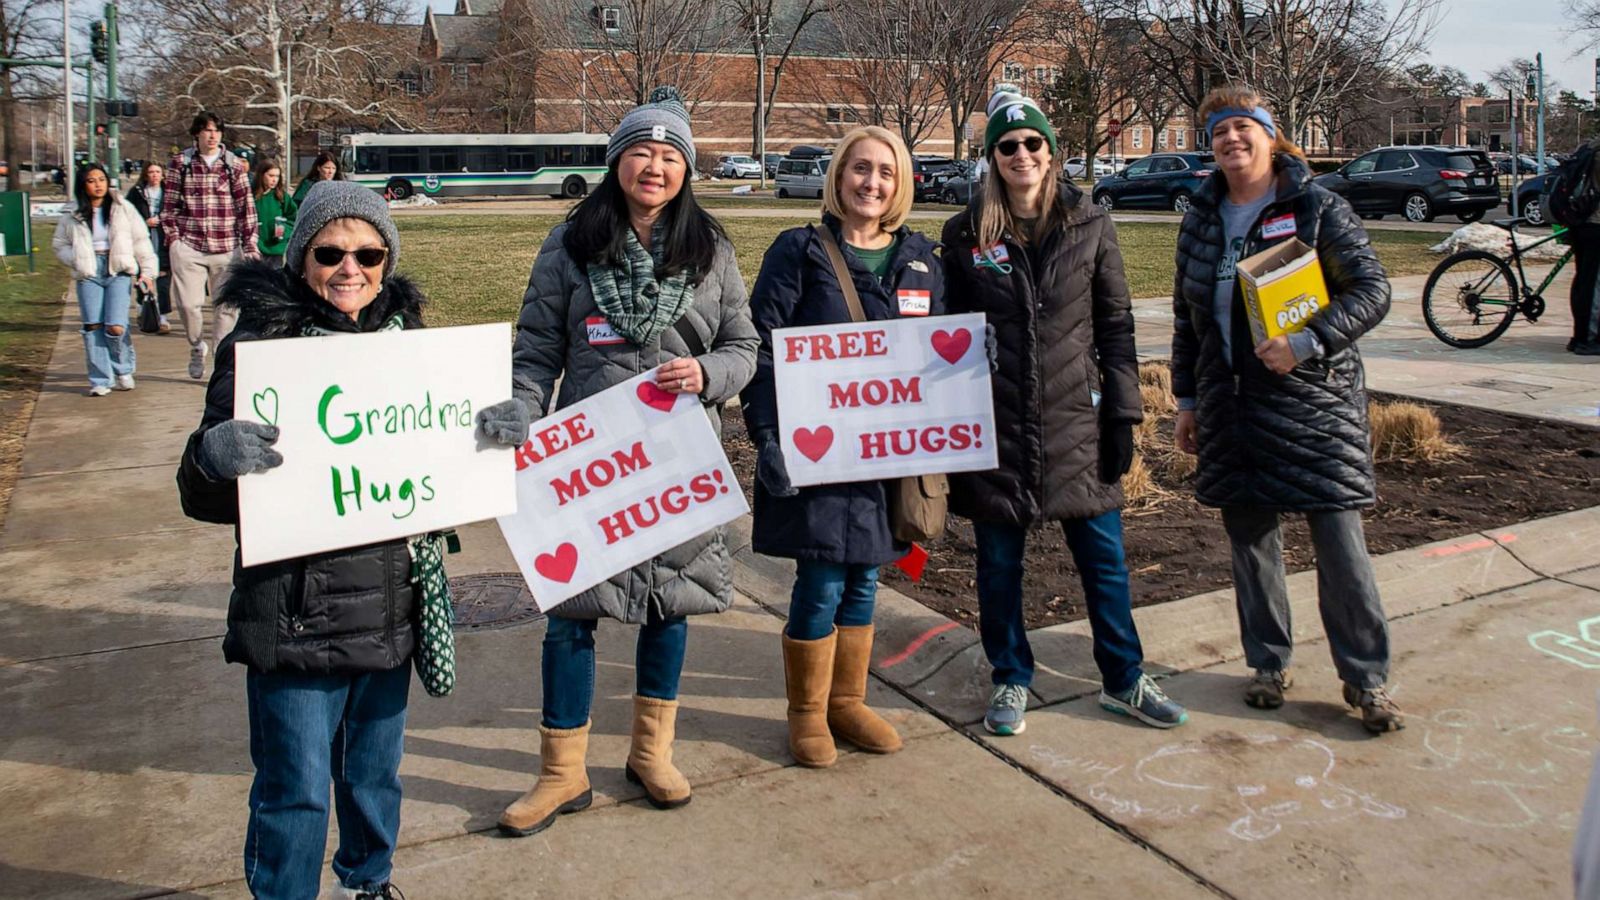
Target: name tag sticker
x: 914, y: 303
x: 996, y: 253
x: 601, y: 333
x: 1282, y: 226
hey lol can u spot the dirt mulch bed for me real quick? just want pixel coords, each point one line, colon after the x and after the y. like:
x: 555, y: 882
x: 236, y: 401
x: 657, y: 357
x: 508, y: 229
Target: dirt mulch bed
x: 1508, y: 469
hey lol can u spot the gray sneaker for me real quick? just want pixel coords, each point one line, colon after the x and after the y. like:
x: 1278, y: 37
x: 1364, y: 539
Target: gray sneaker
x: 197, y: 360
x: 1146, y: 702
x: 1006, y: 706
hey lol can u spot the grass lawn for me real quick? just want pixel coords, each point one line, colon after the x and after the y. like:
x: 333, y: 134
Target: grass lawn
x: 30, y: 314
x: 475, y: 268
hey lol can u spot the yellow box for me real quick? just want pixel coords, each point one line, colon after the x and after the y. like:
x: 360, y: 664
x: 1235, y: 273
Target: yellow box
x: 1283, y: 288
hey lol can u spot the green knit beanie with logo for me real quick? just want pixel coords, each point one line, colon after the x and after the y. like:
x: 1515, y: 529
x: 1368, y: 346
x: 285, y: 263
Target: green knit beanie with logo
x: 1008, y: 110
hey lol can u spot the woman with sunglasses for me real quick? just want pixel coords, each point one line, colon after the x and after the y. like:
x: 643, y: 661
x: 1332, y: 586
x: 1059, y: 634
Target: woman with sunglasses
x: 1042, y: 262
x: 326, y: 639
x: 638, y: 279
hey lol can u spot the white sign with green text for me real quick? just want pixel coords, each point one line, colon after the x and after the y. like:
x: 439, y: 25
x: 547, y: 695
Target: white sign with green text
x: 377, y: 436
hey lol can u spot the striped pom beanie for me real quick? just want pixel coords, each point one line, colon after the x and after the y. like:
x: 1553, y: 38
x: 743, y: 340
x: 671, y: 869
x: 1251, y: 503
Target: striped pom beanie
x: 663, y: 119
x: 1009, y: 110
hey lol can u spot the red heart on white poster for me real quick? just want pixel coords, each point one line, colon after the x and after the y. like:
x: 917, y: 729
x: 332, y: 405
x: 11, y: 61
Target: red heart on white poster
x: 655, y: 397
x: 813, y: 445
x: 557, y: 566
x: 952, y: 346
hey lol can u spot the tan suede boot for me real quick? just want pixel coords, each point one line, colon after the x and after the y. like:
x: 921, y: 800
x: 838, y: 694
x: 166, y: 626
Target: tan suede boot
x: 848, y: 715
x: 563, y: 784
x: 807, y: 673
x: 650, y: 757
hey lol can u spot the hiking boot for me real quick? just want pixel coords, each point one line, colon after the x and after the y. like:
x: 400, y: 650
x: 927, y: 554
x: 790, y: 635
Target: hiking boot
x: 1006, y: 707
x: 1379, y: 712
x: 197, y: 361
x: 1266, y: 689
x: 385, y: 891
x: 1146, y: 702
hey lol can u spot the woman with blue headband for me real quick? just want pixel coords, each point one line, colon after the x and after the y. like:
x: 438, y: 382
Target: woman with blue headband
x: 1281, y: 426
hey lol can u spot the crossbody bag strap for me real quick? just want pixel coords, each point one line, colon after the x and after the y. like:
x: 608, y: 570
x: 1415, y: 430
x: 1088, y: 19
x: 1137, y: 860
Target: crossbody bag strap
x: 841, y: 271
x: 690, y: 337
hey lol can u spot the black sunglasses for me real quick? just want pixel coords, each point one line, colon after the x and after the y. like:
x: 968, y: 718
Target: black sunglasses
x: 366, y: 257
x: 1009, y: 147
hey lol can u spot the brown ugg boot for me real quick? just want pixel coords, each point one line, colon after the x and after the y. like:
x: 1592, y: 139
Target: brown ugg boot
x: 807, y: 673
x: 848, y: 715
x: 650, y: 758
x: 563, y: 784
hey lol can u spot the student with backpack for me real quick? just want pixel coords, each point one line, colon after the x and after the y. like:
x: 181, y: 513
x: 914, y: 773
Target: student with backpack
x: 1573, y: 201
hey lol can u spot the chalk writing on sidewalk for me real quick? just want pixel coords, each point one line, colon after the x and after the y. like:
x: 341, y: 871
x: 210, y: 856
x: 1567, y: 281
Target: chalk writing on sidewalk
x: 1582, y: 650
x: 1504, y: 772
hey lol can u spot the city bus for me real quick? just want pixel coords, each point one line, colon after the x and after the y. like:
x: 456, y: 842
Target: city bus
x: 474, y: 165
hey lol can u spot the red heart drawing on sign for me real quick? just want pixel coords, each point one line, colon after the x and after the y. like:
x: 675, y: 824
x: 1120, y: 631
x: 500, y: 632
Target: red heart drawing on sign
x: 557, y: 566
x: 655, y: 397
x: 952, y: 346
x: 813, y: 445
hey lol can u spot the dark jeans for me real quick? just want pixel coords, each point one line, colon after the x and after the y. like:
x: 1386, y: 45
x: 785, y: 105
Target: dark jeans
x: 306, y: 730
x: 1585, y: 283
x: 1096, y: 545
x: 829, y: 594
x: 568, y: 665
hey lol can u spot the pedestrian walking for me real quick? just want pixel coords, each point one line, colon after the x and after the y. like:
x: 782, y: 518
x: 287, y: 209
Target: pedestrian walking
x: 1281, y: 426
x: 106, y: 244
x: 324, y: 168
x: 275, y: 211
x: 638, y: 279
x: 148, y: 197
x: 326, y: 639
x: 209, y: 219
x: 838, y: 534
x: 1584, y: 296
x: 1042, y: 263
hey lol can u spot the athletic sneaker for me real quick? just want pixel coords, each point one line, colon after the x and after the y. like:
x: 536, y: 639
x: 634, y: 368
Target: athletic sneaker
x: 1265, y: 690
x: 1379, y: 712
x: 1146, y: 702
x: 1006, y: 706
x: 123, y: 383
x: 197, y: 360
x: 99, y: 390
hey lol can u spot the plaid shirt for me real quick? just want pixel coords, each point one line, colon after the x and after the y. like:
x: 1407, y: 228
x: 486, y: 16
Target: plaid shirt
x: 209, y: 207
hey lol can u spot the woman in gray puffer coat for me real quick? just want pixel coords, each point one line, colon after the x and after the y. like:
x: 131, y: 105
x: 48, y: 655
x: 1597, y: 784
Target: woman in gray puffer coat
x: 638, y: 278
x: 1282, y: 426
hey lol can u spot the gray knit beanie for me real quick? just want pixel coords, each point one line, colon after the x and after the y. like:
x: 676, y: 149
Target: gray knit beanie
x: 329, y: 200
x: 663, y: 119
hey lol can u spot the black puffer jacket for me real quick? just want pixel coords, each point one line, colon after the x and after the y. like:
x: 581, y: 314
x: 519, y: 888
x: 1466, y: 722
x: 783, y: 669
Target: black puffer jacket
x: 1065, y: 334
x: 341, y: 612
x: 837, y: 523
x: 1299, y: 441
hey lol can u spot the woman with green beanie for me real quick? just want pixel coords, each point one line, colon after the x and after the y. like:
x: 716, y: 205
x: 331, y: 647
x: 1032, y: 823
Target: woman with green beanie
x: 1042, y: 263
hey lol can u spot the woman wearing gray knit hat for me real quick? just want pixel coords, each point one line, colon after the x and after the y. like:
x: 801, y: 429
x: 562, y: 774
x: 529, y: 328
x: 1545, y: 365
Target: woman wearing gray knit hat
x: 326, y: 639
x: 637, y: 279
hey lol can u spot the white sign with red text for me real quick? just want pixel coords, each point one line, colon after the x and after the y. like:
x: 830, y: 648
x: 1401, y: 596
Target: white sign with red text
x: 872, y: 400
x: 612, y: 481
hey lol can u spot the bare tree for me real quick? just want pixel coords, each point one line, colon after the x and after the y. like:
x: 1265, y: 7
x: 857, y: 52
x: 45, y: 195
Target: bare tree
x: 888, y: 65
x: 1092, y: 48
x: 1173, y: 41
x: 969, y: 42
x: 782, y: 25
x: 513, y: 67
x: 1585, y: 17
x: 27, y: 30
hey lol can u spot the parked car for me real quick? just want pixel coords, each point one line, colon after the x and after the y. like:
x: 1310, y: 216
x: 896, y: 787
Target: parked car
x: 1418, y: 183
x: 1526, y: 165
x: 771, y: 162
x: 1530, y: 199
x: 1074, y: 167
x: 800, y: 173
x: 1158, y: 181
x: 928, y: 173
x: 738, y: 167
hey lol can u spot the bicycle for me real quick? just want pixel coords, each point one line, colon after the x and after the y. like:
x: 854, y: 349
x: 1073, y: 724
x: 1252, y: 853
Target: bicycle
x: 1472, y: 296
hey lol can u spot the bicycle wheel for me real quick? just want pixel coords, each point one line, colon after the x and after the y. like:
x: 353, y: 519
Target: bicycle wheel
x: 1470, y: 299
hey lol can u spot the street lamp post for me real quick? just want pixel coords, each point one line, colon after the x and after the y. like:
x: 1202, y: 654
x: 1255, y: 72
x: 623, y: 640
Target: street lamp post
x: 761, y: 97
x: 66, y: 94
x: 583, y: 92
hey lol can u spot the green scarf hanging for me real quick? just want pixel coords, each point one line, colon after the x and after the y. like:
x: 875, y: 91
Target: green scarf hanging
x: 638, y: 306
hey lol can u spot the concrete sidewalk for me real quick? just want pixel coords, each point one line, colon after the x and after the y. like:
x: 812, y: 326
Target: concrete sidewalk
x: 124, y: 767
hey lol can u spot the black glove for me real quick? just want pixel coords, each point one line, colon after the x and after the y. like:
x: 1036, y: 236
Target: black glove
x: 505, y: 422
x: 770, y: 468
x: 991, y: 348
x: 1116, y: 450
x: 238, y: 447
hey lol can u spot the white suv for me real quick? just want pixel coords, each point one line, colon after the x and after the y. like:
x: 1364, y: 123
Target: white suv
x: 738, y: 167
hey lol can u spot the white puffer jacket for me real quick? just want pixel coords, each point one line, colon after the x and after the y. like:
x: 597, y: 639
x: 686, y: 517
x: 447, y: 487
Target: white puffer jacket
x: 131, y: 251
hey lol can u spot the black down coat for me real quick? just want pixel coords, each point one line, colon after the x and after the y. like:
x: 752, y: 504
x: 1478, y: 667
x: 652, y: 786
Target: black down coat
x: 1295, y: 442
x: 346, y: 611
x: 837, y: 523
x: 1065, y: 335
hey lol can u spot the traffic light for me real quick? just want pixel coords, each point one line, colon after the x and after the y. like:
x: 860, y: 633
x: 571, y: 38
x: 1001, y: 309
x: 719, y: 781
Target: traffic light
x: 99, y: 128
x: 98, y: 41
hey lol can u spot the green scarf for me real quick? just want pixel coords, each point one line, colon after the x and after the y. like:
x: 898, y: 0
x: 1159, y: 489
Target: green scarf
x: 632, y: 300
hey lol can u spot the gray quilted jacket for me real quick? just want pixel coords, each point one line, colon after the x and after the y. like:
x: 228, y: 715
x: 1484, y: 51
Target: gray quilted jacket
x: 695, y: 576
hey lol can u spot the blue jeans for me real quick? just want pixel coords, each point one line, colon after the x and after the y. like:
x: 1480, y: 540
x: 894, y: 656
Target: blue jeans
x: 568, y: 665
x: 306, y: 730
x: 1096, y: 545
x: 828, y: 594
x: 102, y: 303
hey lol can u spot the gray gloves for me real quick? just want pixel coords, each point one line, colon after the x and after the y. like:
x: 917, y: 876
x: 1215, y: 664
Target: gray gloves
x: 505, y: 422
x: 991, y: 348
x: 770, y: 468
x: 238, y: 447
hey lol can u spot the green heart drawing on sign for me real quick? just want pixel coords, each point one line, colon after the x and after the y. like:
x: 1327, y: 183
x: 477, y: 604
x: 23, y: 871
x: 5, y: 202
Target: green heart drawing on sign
x: 266, y: 404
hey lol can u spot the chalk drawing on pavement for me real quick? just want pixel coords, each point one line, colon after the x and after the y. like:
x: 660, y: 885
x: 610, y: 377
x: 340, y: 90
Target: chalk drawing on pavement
x: 1501, y: 771
x: 1581, y: 650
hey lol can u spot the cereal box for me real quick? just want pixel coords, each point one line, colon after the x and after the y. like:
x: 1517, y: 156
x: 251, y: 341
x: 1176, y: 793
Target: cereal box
x: 1283, y: 288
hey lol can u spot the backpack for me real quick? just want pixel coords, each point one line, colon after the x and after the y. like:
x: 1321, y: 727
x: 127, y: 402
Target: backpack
x: 1571, y: 193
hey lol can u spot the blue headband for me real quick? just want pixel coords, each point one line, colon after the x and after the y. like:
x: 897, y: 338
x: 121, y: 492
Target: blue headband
x: 1258, y: 114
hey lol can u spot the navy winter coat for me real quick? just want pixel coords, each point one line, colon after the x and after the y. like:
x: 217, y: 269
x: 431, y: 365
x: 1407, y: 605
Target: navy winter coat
x: 837, y: 523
